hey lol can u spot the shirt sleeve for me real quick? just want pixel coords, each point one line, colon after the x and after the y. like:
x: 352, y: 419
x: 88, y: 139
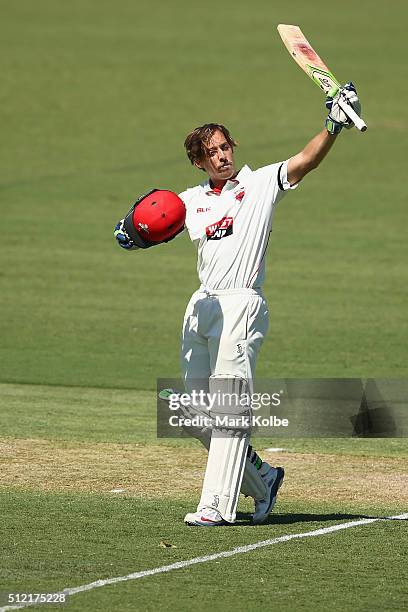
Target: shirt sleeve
x: 272, y: 183
x: 184, y: 196
x: 187, y: 197
x: 283, y: 182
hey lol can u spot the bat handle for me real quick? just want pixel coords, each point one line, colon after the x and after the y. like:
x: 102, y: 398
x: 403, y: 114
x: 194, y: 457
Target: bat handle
x: 351, y: 114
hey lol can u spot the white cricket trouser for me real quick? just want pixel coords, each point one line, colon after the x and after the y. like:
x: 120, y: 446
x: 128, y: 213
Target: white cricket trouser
x: 223, y: 331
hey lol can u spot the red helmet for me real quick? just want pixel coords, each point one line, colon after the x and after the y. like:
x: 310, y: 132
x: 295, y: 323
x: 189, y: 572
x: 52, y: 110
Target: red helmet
x: 157, y: 216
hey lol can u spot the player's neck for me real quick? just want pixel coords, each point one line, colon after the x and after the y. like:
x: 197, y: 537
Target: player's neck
x: 218, y: 185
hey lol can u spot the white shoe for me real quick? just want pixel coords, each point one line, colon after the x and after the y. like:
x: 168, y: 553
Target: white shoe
x: 273, y: 479
x: 207, y: 517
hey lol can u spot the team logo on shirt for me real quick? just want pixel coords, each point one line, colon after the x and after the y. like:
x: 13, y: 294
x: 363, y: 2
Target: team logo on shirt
x: 239, y: 196
x: 219, y: 229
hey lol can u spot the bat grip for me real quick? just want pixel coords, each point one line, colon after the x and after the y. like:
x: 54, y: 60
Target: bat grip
x: 351, y: 114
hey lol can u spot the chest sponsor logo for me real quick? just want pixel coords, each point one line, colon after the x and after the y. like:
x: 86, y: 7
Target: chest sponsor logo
x: 219, y: 229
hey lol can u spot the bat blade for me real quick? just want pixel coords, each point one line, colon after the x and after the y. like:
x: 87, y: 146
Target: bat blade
x: 306, y: 57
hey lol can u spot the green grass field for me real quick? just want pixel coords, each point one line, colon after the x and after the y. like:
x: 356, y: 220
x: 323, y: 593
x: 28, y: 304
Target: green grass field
x: 96, y: 100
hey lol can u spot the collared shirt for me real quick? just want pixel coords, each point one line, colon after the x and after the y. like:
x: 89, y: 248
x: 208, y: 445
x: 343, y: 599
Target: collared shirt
x: 231, y: 229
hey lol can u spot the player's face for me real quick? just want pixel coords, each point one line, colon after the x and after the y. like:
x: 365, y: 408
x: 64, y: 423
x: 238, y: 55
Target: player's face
x: 219, y: 162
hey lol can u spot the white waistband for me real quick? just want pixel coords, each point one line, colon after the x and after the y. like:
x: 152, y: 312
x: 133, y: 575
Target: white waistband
x: 241, y: 290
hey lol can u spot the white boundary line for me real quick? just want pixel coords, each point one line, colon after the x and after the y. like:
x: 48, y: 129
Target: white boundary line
x: 220, y: 555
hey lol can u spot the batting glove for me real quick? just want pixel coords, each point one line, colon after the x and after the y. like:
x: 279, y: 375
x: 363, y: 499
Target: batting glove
x: 337, y: 118
x: 122, y: 237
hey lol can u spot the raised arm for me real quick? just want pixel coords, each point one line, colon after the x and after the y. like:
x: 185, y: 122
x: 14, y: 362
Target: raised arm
x: 311, y: 156
x: 317, y: 149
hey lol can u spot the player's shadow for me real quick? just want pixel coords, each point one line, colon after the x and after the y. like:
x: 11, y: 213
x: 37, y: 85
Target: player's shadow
x: 245, y: 518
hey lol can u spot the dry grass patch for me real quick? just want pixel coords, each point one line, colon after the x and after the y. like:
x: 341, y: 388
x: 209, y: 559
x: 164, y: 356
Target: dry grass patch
x: 154, y: 471
x: 322, y: 477
x: 64, y: 466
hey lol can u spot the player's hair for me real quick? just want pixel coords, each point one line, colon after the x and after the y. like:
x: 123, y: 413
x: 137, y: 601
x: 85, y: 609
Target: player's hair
x: 196, y: 141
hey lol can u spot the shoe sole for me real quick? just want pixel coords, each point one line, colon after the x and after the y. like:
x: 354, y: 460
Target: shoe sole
x: 191, y: 520
x: 274, y: 494
x: 196, y: 524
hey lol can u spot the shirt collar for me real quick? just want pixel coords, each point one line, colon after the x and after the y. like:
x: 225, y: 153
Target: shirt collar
x: 230, y: 184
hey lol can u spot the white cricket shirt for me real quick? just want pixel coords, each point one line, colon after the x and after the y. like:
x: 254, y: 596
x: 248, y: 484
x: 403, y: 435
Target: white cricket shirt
x: 231, y: 230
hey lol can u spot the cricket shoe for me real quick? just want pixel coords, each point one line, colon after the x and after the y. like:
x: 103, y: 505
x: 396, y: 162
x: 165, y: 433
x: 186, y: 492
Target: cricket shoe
x: 207, y: 517
x: 273, y: 478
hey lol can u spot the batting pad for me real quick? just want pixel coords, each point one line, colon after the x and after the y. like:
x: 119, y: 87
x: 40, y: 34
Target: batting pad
x: 252, y: 483
x: 227, y: 454
x: 223, y: 474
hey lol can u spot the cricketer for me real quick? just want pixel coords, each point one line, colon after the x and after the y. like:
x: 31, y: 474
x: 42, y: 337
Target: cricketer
x: 229, y: 218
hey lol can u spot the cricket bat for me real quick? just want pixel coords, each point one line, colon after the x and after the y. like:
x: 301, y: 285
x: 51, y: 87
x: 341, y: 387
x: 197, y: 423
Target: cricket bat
x: 307, y: 58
